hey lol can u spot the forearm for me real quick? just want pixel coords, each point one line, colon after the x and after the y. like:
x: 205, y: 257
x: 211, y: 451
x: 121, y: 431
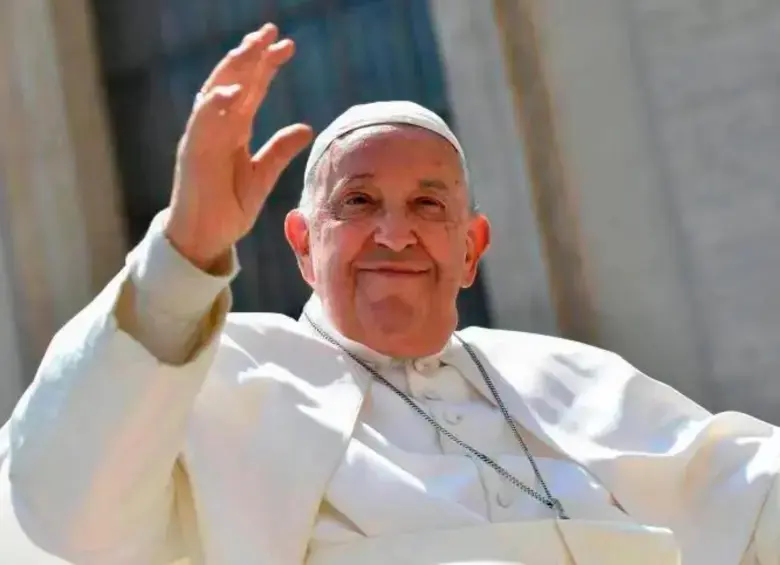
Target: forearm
x: 94, y: 440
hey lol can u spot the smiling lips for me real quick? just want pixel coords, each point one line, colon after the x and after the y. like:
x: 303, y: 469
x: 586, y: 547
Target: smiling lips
x: 395, y: 269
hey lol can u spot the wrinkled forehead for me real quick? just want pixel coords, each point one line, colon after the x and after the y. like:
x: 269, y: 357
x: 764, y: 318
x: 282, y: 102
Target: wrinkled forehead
x: 373, y: 151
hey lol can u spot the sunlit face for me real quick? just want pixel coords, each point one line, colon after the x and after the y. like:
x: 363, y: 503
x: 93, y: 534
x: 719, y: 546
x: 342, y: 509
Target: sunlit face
x: 391, y: 240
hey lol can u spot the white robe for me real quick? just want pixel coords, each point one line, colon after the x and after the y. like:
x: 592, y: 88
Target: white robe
x: 272, y: 456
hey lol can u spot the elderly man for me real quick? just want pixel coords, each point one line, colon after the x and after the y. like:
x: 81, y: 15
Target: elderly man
x: 160, y: 428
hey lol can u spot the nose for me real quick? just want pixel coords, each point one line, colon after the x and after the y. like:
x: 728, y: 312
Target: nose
x: 395, y: 231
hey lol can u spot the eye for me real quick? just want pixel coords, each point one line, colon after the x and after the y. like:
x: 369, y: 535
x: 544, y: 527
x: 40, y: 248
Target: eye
x: 357, y: 199
x: 355, y: 205
x: 429, y: 203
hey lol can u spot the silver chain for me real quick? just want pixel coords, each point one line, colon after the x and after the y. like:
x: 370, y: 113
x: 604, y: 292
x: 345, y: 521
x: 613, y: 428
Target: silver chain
x: 546, y: 499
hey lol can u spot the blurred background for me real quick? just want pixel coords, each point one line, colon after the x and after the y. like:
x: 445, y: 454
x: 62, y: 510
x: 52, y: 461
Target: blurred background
x: 627, y: 153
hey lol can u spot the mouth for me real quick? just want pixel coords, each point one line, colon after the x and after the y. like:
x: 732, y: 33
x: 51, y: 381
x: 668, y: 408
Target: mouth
x: 396, y: 270
x: 390, y: 273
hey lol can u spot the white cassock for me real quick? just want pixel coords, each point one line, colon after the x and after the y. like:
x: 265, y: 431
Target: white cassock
x: 260, y: 443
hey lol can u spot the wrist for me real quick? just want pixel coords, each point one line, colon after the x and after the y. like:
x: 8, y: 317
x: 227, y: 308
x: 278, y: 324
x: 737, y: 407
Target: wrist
x: 171, y: 283
x: 211, y: 261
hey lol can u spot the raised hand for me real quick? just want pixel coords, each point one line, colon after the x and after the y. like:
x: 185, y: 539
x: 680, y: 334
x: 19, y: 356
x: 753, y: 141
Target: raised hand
x: 219, y: 187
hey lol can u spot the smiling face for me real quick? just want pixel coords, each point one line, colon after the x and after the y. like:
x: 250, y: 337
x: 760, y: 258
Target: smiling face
x: 391, y: 239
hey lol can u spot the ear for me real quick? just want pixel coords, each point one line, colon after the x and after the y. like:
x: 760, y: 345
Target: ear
x: 296, y: 230
x: 478, y: 241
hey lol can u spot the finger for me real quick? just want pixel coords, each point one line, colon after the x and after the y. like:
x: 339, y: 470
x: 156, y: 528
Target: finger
x: 213, y: 119
x: 242, y: 59
x: 270, y: 63
x: 263, y: 170
x: 273, y: 58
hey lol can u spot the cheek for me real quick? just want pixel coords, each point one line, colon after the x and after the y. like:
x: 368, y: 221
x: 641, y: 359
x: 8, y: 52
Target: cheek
x: 448, y: 251
x: 340, y: 246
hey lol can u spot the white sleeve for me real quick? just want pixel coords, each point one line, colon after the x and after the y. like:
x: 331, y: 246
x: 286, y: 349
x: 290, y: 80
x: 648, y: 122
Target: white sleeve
x: 93, y: 443
x: 765, y: 546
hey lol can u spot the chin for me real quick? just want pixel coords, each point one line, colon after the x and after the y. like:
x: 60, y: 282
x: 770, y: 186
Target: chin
x: 406, y: 338
x: 403, y: 326
x: 401, y: 346
x: 394, y: 316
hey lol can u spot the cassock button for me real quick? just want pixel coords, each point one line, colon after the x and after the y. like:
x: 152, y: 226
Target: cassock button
x: 453, y: 418
x: 425, y: 365
x: 504, y: 499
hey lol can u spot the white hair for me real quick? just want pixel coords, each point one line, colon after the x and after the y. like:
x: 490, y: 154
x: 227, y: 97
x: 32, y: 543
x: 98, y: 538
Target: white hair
x: 306, y: 202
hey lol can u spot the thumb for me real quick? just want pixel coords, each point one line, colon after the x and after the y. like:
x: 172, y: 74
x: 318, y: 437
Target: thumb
x: 265, y: 167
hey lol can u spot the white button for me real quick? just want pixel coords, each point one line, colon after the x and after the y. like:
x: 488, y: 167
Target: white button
x: 425, y: 365
x: 453, y: 417
x: 504, y: 499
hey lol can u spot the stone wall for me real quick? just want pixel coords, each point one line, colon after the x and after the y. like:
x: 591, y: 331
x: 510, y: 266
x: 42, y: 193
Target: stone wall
x: 711, y: 73
x: 60, y: 230
x: 669, y: 112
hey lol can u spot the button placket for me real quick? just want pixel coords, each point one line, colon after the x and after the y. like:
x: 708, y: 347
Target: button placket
x: 420, y: 383
x: 425, y: 366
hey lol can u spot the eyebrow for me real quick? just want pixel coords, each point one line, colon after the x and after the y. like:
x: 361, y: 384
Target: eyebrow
x: 435, y: 184
x: 431, y: 184
x: 341, y: 183
x: 351, y: 178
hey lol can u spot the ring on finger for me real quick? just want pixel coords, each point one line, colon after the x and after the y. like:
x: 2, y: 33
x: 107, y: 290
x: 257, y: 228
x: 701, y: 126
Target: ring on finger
x: 199, y: 98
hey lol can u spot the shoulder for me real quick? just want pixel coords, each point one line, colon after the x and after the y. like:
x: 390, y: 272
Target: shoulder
x: 247, y: 327
x: 579, y: 374
x: 495, y: 343
x: 257, y: 353
x: 546, y: 364
x: 252, y: 340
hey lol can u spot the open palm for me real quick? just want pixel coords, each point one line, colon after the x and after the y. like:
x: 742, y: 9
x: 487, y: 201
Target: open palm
x: 219, y: 187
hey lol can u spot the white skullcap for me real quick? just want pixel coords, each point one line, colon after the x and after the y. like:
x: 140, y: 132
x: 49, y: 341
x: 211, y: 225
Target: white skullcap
x: 381, y: 113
